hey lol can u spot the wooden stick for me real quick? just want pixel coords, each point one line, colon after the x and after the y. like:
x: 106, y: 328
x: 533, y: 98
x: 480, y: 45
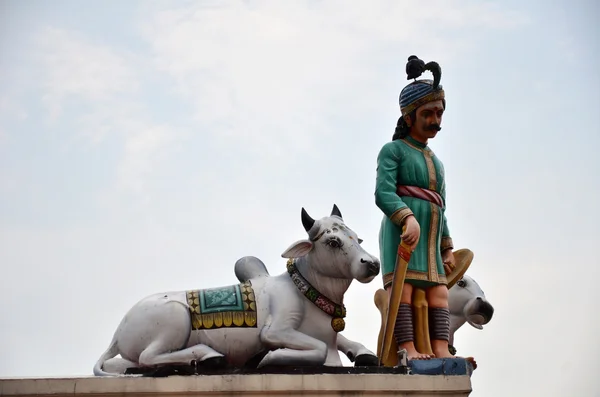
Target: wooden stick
x: 402, y: 259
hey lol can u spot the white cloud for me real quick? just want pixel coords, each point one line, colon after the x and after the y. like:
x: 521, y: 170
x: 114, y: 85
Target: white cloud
x: 79, y: 68
x: 141, y: 149
x: 270, y: 72
x: 468, y: 14
x: 10, y: 112
x: 95, y: 87
x: 265, y: 74
x: 11, y: 109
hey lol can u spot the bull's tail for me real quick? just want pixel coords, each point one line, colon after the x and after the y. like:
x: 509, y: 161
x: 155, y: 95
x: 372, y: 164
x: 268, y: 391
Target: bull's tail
x: 250, y: 267
x: 112, y: 351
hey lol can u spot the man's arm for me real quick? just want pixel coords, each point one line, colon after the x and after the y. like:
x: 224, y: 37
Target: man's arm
x: 386, y: 198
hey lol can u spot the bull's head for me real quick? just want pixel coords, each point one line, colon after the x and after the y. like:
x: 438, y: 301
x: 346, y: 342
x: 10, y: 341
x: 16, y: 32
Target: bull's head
x: 335, y: 248
x: 467, y: 301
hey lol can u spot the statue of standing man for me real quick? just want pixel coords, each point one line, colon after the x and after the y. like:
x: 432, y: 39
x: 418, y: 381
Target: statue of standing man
x: 411, y: 192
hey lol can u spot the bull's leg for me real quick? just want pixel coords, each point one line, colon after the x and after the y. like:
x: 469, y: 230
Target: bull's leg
x: 118, y: 365
x: 157, y: 353
x: 333, y: 357
x: 166, y: 327
x: 356, y: 351
x: 296, y: 348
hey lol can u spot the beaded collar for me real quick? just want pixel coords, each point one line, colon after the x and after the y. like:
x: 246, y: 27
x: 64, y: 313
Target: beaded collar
x: 338, y: 312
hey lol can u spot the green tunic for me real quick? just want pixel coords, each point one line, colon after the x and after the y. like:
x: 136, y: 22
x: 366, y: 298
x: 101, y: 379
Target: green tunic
x: 411, y: 163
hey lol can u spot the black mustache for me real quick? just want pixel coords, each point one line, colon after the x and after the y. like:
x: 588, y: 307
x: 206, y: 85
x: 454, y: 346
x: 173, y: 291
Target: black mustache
x: 433, y: 127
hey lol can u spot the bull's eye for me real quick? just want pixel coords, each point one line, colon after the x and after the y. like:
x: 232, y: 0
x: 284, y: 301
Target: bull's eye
x: 334, y: 243
x: 462, y: 283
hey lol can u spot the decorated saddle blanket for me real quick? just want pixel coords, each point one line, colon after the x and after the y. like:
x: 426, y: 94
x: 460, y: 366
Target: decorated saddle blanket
x: 233, y: 306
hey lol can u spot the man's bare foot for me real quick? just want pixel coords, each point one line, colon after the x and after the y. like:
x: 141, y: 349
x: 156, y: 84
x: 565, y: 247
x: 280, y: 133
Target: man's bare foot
x: 413, y: 354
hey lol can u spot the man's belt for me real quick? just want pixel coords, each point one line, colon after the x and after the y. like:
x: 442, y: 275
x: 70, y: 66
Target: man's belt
x: 420, y: 193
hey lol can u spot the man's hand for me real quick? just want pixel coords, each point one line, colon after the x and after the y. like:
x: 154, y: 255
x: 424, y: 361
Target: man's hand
x: 448, y: 259
x: 412, y: 233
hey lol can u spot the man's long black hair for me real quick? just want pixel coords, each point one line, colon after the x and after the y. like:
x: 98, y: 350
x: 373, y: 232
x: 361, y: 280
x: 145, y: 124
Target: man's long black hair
x: 402, y: 129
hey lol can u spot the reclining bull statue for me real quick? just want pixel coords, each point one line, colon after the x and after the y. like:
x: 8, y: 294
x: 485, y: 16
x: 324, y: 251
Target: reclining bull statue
x: 290, y: 319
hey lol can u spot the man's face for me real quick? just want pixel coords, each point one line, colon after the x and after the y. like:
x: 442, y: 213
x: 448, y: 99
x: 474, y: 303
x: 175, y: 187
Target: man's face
x: 428, y: 120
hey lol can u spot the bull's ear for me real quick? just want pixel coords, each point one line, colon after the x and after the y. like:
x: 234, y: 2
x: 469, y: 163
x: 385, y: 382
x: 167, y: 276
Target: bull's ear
x: 298, y: 249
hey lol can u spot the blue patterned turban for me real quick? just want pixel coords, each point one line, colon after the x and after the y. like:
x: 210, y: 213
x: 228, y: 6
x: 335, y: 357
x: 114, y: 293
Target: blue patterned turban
x: 419, y: 92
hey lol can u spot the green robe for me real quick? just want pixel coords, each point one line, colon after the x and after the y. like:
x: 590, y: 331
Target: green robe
x: 412, y: 163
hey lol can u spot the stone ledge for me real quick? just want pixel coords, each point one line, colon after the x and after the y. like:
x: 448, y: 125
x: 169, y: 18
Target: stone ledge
x: 326, y: 385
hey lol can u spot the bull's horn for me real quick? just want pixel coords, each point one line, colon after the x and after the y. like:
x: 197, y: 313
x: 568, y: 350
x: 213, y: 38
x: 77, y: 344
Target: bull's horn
x: 336, y: 211
x: 307, y: 221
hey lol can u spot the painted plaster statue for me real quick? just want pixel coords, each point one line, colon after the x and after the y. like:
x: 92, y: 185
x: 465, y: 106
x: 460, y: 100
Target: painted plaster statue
x: 294, y: 318
x: 416, y: 248
x: 466, y: 300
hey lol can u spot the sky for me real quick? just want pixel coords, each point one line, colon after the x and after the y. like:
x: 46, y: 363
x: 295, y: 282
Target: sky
x: 145, y: 146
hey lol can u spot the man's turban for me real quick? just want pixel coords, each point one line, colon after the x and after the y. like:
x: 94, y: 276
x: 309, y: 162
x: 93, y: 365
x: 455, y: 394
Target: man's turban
x: 419, y: 92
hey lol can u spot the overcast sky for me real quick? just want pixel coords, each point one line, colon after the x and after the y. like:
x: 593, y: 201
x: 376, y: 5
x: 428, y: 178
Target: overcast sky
x: 146, y: 145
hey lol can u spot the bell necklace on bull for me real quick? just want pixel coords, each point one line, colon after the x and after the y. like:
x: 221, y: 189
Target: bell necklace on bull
x: 411, y: 192
x: 335, y: 310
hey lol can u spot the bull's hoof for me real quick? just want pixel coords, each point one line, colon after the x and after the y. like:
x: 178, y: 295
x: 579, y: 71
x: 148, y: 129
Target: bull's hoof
x: 253, y: 362
x: 366, y: 360
x: 213, y: 363
x: 136, y: 371
x: 169, y: 370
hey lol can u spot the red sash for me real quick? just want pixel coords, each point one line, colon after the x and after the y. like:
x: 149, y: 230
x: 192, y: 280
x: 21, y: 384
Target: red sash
x: 420, y: 193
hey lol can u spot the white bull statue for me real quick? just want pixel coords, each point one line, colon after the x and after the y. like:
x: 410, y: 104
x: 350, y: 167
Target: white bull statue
x: 294, y: 317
